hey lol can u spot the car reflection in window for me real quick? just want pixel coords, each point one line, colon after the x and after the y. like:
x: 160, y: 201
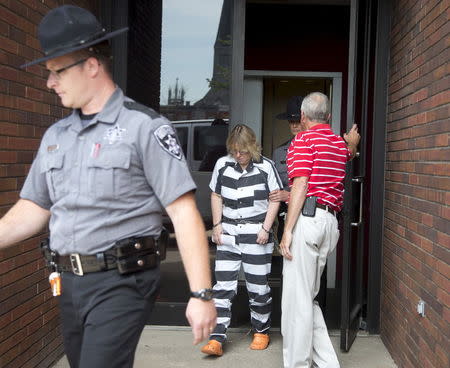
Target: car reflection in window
x: 182, y: 133
x: 210, y: 144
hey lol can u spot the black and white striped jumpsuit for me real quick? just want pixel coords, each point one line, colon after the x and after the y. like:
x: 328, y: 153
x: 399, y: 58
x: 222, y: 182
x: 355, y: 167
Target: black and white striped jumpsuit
x: 245, y: 196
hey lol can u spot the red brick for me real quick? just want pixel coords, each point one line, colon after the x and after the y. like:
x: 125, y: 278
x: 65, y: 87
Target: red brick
x: 416, y: 236
x: 442, y: 356
x: 443, y: 296
x: 8, y: 184
x: 24, y: 143
x: 443, y: 268
x: 8, y: 45
x: 8, y: 16
x: 17, y: 170
x: 8, y: 129
x: 8, y: 73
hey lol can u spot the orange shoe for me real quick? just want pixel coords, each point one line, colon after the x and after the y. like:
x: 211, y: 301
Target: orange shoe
x: 260, y: 341
x: 213, y: 347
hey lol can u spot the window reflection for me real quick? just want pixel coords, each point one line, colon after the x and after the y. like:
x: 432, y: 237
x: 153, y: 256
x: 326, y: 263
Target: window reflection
x: 196, y: 59
x: 195, y: 96
x: 210, y: 144
x: 182, y: 133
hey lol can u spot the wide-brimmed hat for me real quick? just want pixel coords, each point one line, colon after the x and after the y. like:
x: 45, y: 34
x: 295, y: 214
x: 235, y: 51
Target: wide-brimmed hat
x: 293, y: 107
x: 69, y: 28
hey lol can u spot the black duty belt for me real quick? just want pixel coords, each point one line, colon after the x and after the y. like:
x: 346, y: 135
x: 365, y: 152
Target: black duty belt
x: 128, y: 255
x: 80, y: 264
x: 326, y: 208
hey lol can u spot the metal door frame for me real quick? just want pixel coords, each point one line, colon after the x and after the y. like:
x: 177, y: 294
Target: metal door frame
x: 351, y: 310
x: 351, y: 314
x: 376, y: 226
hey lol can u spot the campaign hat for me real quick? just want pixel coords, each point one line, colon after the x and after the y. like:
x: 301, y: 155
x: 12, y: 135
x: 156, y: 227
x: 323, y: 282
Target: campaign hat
x: 69, y: 28
x: 293, y: 107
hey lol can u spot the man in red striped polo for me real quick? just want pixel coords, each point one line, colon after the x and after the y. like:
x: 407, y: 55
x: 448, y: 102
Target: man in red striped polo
x: 316, y: 163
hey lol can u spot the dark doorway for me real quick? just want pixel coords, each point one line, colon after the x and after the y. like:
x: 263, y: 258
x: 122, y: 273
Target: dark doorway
x: 273, y: 42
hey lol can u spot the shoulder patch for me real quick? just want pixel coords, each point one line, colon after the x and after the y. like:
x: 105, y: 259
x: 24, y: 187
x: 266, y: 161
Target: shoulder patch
x: 167, y: 138
x: 132, y: 105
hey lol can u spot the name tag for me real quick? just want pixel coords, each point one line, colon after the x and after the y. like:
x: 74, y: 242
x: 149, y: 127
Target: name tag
x: 53, y: 148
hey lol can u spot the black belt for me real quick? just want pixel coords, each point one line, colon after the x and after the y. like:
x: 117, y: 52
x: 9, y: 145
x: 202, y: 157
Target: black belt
x: 326, y: 208
x: 80, y: 264
x: 128, y: 255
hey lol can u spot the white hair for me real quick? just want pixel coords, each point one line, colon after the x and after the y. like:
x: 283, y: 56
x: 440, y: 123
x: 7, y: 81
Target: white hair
x: 316, y: 107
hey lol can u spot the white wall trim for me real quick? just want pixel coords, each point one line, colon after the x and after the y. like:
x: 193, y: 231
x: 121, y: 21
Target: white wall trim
x: 337, y: 88
x: 281, y: 73
x: 336, y: 103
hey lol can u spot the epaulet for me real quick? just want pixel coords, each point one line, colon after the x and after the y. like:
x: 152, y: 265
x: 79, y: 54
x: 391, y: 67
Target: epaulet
x: 132, y: 105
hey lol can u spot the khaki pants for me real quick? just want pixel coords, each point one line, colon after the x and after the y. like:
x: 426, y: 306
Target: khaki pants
x: 305, y: 335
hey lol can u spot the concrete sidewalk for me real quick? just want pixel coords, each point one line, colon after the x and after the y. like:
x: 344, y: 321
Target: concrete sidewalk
x: 168, y: 347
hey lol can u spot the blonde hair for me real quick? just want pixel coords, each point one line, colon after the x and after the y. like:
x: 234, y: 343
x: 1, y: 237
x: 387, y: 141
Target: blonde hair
x: 243, y: 138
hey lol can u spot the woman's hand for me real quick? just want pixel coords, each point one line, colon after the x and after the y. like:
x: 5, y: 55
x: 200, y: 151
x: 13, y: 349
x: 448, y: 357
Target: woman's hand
x: 279, y: 195
x: 263, y: 237
x: 216, y: 234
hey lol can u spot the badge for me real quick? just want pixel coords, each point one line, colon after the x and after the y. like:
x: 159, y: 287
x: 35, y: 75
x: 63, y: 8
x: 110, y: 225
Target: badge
x: 114, y: 134
x: 167, y: 139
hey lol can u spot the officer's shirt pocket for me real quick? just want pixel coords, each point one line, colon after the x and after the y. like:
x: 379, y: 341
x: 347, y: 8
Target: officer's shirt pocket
x: 53, y: 168
x: 109, y: 173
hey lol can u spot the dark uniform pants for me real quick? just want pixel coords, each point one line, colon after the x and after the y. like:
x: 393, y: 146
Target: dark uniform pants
x: 103, y: 315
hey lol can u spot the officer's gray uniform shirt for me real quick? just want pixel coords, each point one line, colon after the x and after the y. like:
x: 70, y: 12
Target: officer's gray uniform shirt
x: 279, y: 158
x: 109, y: 180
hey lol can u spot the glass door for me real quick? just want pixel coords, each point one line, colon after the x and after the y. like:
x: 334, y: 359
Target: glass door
x: 195, y: 79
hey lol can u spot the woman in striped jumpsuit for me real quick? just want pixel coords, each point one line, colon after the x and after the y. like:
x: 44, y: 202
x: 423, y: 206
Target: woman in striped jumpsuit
x: 242, y: 219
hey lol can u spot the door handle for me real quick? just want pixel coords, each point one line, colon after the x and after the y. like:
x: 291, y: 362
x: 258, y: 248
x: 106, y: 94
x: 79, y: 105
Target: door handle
x: 361, y: 181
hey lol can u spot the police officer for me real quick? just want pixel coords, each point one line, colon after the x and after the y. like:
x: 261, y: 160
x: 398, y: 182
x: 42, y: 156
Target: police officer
x: 101, y: 178
x: 292, y: 115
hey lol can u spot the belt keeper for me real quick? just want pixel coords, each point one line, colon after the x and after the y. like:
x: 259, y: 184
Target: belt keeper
x: 101, y: 260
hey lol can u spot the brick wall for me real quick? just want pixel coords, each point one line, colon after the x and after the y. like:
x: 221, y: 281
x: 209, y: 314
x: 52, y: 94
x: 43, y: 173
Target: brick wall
x: 29, y: 324
x: 417, y: 213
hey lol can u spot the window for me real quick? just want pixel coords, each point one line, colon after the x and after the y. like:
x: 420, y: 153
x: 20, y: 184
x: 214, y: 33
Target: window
x: 210, y: 145
x: 196, y: 59
x: 182, y: 133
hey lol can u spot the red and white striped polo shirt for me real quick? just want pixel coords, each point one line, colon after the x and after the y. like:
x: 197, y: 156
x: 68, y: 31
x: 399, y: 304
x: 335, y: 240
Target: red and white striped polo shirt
x: 320, y: 155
